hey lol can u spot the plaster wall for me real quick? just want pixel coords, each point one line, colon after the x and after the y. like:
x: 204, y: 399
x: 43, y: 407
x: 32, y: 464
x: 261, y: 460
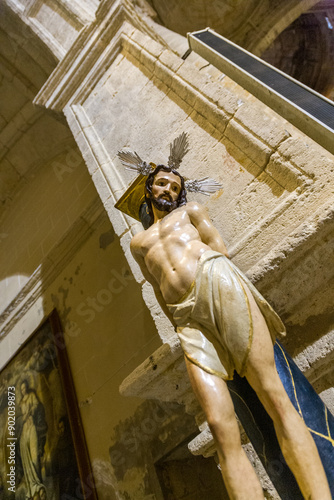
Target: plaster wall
x: 107, y: 327
x: 108, y: 331
x: 56, y: 23
x: 41, y: 212
x: 59, y: 25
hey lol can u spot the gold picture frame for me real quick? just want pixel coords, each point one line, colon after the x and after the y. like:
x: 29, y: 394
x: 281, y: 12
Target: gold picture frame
x: 43, y: 454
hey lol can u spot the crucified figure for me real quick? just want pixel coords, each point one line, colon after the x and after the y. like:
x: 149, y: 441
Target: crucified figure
x: 224, y: 324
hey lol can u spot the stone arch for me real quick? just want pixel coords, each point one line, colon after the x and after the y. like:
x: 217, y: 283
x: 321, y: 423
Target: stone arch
x: 276, y: 19
x: 305, y: 51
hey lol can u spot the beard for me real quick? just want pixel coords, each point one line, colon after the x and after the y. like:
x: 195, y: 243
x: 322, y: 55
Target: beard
x: 164, y: 205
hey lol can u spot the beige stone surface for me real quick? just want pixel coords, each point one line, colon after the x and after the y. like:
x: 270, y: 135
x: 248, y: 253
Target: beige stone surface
x: 60, y: 25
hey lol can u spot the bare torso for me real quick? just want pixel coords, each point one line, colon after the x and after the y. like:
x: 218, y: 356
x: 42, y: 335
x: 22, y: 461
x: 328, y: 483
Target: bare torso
x: 170, y: 250
x: 168, y: 254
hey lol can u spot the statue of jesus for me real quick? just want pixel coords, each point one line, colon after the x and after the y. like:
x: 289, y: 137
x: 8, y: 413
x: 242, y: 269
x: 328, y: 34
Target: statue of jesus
x: 224, y: 324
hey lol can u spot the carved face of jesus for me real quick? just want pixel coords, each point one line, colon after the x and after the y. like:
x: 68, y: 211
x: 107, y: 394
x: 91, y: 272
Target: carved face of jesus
x: 166, y: 188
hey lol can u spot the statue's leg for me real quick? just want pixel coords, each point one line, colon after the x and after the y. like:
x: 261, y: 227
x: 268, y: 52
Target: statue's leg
x: 296, y: 443
x: 212, y: 393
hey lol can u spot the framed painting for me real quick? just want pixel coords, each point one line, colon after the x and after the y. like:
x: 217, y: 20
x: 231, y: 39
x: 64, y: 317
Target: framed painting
x: 43, y: 455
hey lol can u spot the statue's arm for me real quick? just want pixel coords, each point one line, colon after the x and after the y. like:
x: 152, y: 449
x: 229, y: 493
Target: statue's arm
x: 135, y: 250
x: 209, y: 234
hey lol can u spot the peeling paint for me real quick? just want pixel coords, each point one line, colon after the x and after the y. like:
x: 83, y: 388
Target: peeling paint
x: 140, y: 441
x: 78, y: 269
x: 107, y: 238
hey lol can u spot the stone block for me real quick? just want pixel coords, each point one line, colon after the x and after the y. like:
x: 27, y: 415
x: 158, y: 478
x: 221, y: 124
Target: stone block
x: 196, y: 60
x: 229, y: 102
x: 127, y: 29
x: 213, y: 73
x: 327, y: 396
x: 275, y: 186
x: 147, y: 60
x: 192, y: 76
x: 133, y: 49
x: 62, y: 27
x: 161, y: 72
x: 170, y: 60
x: 217, y: 118
x: 261, y: 125
x: 101, y: 185
x: 312, y: 159
x: 316, y: 354
x: 191, y: 94
x: 153, y: 47
x: 248, y: 143
x: 180, y: 89
x: 140, y: 38
x: 222, y: 97
x: 284, y: 173
x: 160, y: 84
x: 203, y: 122
x: 203, y: 444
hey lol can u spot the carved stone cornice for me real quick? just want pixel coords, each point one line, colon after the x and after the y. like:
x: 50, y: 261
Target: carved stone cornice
x: 163, y: 376
x: 101, y: 41
x: 301, y: 266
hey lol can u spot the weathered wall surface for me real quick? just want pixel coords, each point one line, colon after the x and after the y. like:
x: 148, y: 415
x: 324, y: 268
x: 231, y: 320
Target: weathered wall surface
x: 41, y: 213
x: 78, y: 266
x: 56, y: 23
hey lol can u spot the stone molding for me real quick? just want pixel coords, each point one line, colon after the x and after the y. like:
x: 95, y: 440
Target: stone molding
x: 113, y: 18
x: 40, y: 30
x: 57, y: 259
x: 79, y: 14
x: 79, y: 11
x: 163, y: 376
x: 33, y: 7
x: 316, y: 360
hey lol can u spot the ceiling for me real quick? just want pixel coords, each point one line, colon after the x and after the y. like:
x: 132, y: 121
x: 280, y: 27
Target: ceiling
x: 25, y: 64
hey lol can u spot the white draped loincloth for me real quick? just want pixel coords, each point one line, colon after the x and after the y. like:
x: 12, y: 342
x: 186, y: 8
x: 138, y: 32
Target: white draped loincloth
x: 214, y: 321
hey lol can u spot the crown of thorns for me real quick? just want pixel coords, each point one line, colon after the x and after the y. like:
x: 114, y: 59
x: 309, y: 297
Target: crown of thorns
x: 178, y: 149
